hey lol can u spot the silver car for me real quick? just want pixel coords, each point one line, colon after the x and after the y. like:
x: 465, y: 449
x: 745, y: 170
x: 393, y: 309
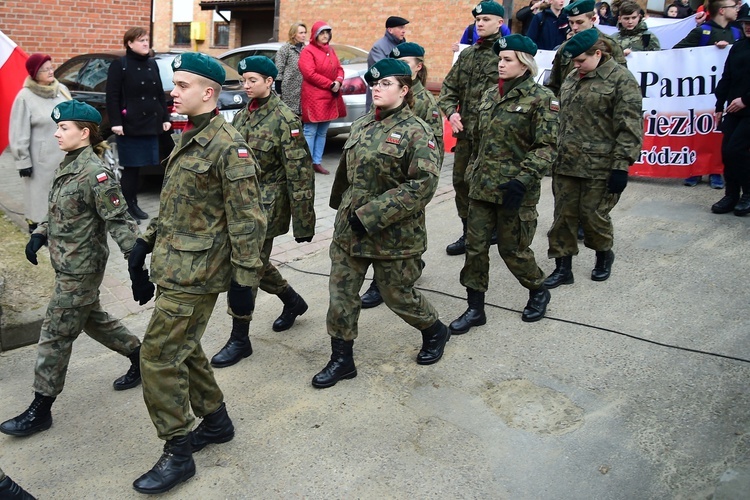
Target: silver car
x: 354, y: 87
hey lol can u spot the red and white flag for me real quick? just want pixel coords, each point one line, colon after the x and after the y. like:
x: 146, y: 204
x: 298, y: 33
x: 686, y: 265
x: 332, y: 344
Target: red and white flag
x: 12, y: 75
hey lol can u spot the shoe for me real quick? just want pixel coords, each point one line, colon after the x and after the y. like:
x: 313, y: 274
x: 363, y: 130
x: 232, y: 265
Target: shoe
x: 743, y: 206
x: 237, y: 347
x: 603, y: 266
x: 10, y: 490
x: 215, y: 428
x: 473, y: 316
x: 716, y: 181
x: 458, y: 247
x: 135, y: 210
x: 340, y: 367
x: 133, y: 377
x: 319, y: 169
x: 372, y: 298
x: 434, y: 339
x: 37, y: 418
x: 132, y: 214
x: 563, y: 273
x: 175, y: 466
x: 294, y: 305
x: 536, y: 307
x: 724, y: 205
x: 692, y: 181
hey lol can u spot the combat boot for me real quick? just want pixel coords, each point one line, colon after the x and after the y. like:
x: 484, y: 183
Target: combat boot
x: 216, y: 428
x: 136, y: 209
x: 294, y: 305
x: 341, y: 366
x: 603, y: 265
x: 536, y: 307
x: 175, y: 466
x: 473, y: 316
x: 725, y: 205
x: 458, y: 247
x: 237, y: 347
x: 372, y: 297
x: 10, y: 490
x: 743, y: 206
x: 36, y: 419
x: 434, y: 339
x: 563, y: 273
x: 133, y: 377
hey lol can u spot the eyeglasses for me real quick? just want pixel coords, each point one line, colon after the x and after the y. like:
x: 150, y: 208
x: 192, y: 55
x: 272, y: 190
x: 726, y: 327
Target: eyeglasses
x: 383, y: 84
x: 733, y: 6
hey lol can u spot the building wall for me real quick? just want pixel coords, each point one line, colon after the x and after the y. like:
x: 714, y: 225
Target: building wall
x: 163, y: 32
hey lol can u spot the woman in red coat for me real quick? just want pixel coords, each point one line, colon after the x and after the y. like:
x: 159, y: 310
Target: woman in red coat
x: 321, y: 99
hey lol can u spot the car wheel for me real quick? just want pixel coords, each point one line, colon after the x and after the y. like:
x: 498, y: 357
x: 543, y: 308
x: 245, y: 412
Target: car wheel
x: 112, y: 159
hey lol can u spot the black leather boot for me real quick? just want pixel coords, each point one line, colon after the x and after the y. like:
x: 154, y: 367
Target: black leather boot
x: 725, y: 205
x: 175, y: 466
x: 458, y: 247
x: 133, y: 377
x: 434, y: 339
x: 603, y: 265
x: 537, y: 305
x: 237, y: 347
x: 473, y: 316
x: 133, y: 215
x: 341, y: 366
x: 215, y: 428
x: 136, y: 209
x: 10, y: 490
x: 37, y: 418
x: 294, y: 305
x: 563, y: 273
x: 372, y: 298
x: 743, y: 206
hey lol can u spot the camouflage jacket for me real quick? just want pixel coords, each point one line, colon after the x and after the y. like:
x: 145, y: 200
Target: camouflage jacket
x: 639, y: 39
x: 85, y: 202
x: 387, y: 174
x: 601, y: 125
x: 562, y: 65
x: 474, y: 72
x: 287, y: 179
x: 519, y: 141
x: 426, y: 108
x: 211, y: 225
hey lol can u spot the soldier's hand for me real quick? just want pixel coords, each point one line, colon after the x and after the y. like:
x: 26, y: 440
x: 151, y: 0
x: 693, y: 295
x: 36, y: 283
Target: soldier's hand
x: 306, y: 239
x: 26, y: 172
x: 32, y: 247
x: 143, y: 289
x: 618, y: 179
x: 357, y: 226
x: 240, y: 299
x: 514, y: 193
x: 137, y: 257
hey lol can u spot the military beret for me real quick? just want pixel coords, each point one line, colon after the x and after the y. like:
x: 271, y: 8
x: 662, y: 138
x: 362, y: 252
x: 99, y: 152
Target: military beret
x: 515, y: 42
x: 258, y: 64
x: 579, y: 7
x: 581, y: 42
x: 407, y: 49
x: 394, y: 21
x: 68, y: 111
x: 200, y: 64
x: 492, y: 8
x: 387, y: 67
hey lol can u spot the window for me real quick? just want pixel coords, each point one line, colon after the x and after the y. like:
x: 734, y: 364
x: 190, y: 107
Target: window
x: 221, y: 34
x: 181, y: 34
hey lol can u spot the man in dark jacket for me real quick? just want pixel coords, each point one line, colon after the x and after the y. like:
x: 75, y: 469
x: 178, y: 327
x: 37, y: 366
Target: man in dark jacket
x: 395, y: 33
x: 548, y: 27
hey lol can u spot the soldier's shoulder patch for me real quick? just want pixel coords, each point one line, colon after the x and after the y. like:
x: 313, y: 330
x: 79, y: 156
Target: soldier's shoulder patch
x: 101, y: 177
x: 435, y: 113
x: 295, y: 132
x: 554, y: 105
x: 112, y: 197
x: 394, y: 138
x: 431, y: 144
x: 243, y: 153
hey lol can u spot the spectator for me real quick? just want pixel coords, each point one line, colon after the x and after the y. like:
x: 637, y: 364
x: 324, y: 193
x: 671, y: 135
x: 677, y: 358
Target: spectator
x: 683, y: 8
x: 526, y: 14
x: 633, y: 34
x: 548, y: 27
x: 289, y: 81
x: 605, y: 13
x: 34, y: 149
x: 395, y: 33
x: 672, y: 11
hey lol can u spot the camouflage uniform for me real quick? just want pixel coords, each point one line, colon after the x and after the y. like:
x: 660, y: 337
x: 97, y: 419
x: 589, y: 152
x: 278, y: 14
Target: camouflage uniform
x: 519, y: 142
x: 639, y: 39
x: 601, y: 129
x: 426, y: 108
x: 474, y: 72
x: 85, y: 203
x: 209, y: 231
x: 287, y: 179
x: 387, y: 174
x: 562, y: 65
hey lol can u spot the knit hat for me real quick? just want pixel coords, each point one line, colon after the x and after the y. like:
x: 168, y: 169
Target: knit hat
x: 387, y: 67
x: 579, y: 7
x: 34, y: 62
x: 581, y: 42
x: 406, y: 49
x: 394, y: 21
x: 258, y: 64
x: 515, y: 42
x: 492, y: 8
x: 69, y: 111
x: 200, y: 64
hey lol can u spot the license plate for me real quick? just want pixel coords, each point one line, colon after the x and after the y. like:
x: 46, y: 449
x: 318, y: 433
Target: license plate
x: 228, y: 114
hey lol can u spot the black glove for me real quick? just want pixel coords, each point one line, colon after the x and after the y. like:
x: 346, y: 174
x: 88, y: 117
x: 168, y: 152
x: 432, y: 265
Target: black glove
x: 137, y: 257
x: 306, y: 239
x: 32, y: 247
x: 240, y: 299
x: 357, y: 226
x: 143, y: 289
x: 277, y: 86
x: 618, y: 179
x: 514, y: 192
x: 26, y: 172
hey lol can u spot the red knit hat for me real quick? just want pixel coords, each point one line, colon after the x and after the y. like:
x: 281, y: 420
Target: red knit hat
x: 34, y: 62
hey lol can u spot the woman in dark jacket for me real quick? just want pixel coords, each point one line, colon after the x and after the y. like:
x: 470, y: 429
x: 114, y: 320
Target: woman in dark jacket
x: 137, y: 112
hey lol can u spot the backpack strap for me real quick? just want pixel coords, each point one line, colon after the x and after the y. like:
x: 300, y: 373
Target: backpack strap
x: 736, y: 33
x: 705, y: 35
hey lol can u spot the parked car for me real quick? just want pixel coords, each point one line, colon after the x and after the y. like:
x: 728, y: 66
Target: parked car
x: 354, y: 87
x: 86, y: 77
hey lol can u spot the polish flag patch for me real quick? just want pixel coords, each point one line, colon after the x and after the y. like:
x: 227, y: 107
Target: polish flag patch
x: 295, y: 132
x: 242, y: 153
x: 394, y: 138
x: 431, y: 144
x: 101, y: 177
x: 435, y: 113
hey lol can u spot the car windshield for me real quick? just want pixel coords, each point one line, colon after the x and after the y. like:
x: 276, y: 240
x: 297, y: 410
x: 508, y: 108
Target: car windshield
x: 165, y: 71
x: 350, y: 55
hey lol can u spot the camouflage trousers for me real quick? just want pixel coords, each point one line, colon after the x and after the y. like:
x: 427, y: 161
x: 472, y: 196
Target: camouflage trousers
x: 174, y: 369
x: 75, y: 307
x: 463, y: 155
x: 585, y: 200
x: 395, y: 279
x: 515, y: 232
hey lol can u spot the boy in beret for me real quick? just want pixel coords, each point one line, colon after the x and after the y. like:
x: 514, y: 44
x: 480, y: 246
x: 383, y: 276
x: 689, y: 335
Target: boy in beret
x: 206, y: 240
x: 395, y: 33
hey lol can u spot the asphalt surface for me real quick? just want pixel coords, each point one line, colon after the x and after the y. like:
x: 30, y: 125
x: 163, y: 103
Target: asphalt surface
x: 636, y: 387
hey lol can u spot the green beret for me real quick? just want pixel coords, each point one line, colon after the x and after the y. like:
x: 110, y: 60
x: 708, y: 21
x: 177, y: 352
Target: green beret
x: 387, y: 67
x: 200, y: 64
x: 492, y: 8
x: 581, y: 42
x: 258, y: 64
x: 407, y: 49
x: 579, y: 7
x: 69, y: 111
x: 515, y: 42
